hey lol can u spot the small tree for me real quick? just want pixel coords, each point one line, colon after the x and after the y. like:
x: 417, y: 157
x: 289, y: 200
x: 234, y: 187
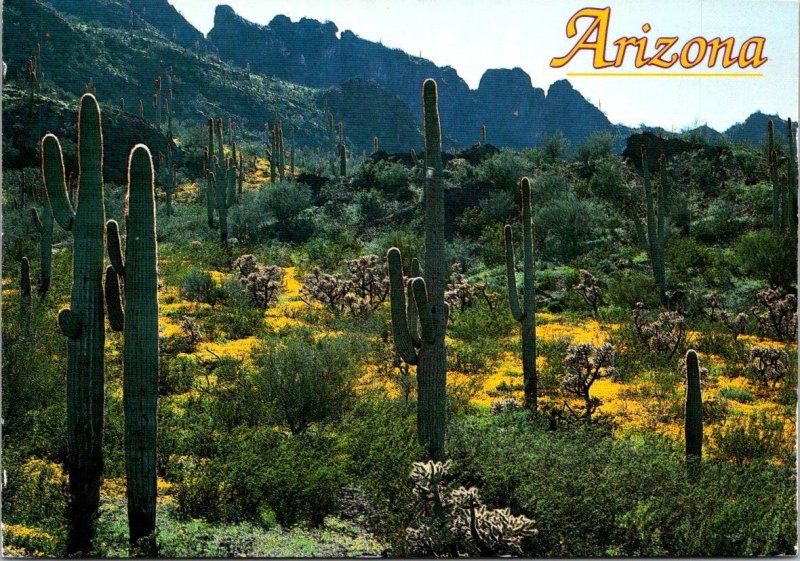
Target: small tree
x: 261, y: 282
x: 664, y: 335
x: 589, y: 289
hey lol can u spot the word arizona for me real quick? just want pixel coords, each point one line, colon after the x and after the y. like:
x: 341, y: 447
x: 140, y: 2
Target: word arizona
x: 667, y: 53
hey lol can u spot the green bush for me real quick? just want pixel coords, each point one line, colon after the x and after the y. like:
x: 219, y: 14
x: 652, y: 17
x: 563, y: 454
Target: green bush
x: 199, y: 286
x: 593, y: 495
x: 626, y: 287
x: 738, y: 394
x: 768, y: 256
x: 306, y: 381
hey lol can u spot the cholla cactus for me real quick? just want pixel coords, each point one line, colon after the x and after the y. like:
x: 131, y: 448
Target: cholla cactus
x: 776, y: 314
x: 460, y: 294
x: 369, y: 280
x: 768, y: 364
x: 589, y: 288
x: 262, y: 282
x: 361, y: 290
x: 584, y: 364
x: 455, y: 522
x: 715, y: 310
x: 665, y: 335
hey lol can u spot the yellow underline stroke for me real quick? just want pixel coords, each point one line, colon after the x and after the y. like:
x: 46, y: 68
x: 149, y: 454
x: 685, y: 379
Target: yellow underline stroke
x: 668, y: 74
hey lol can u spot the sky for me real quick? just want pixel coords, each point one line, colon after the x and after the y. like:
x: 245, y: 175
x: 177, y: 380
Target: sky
x: 475, y: 35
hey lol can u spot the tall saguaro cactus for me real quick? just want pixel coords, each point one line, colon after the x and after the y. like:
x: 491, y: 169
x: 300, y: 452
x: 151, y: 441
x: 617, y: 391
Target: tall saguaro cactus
x: 791, y: 174
x: 82, y: 322
x: 422, y: 300
x: 140, y: 328
x: 526, y: 313
x: 693, y: 416
x: 342, y: 160
x: 656, y: 221
x: 43, y: 224
x: 772, y: 166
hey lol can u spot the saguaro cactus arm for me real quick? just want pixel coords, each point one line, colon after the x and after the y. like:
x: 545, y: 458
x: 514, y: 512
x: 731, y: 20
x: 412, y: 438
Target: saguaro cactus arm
x: 511, y: 274
x: 37, y: 222
x: 116, y: 314
x: 115, y: 247
x: 401, y: 333
x: 54, y: 184
x: 69, y: 323
x: 426, y: 321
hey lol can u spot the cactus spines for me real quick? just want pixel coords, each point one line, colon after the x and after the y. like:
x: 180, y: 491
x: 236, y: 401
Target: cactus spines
x: 82, y: 323
x: 525, y: 314
x: 342, y: 161
x: 422, y: 300
x: 139, y: 323
x: 25, y: 300
x: 693, y: 417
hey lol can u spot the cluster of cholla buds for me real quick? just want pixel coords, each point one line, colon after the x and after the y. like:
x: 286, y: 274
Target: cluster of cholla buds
x: 457, y: 523
x: 776, y: 314
x: 665, y: 335
x: 768, y: 364
x: 460, y: 294
x: 715, y: 310
x: 589, y: 289
x: 584, y: 364
x: 362, y: 289
x: 261, y: 282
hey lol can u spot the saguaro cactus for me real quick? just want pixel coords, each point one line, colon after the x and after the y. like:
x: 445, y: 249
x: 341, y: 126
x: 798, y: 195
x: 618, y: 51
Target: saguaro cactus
x: 791, y: 187
x: 656, y: 221
x: 375, y: 144
x: 693, y: 416
x: 483, y: 134
x: 140, y: 328
x: 772, y: 167
x: 43, y: 224
x: 342, y: 160
x: 291, y: 151
x: 426, y: 347
x: 525, y: 314
x: 82, y: 323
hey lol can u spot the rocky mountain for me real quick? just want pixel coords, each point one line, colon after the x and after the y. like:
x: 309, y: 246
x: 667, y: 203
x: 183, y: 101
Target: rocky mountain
x: 754, y: 129
x: 315, y: 54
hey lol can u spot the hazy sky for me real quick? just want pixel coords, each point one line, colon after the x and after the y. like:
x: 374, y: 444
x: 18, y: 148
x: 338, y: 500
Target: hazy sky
x: 472, y: 36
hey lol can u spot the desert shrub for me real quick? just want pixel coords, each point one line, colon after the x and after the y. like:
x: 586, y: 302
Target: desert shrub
x: 627, y: 287
x: 767, y: 256
x: 455, y: 522
x: 372, y: 206
x: 617, y: 497
x: 35, y: 495
x: 261, y: 476
x: 723, y: 221
x: 565, y: 226
x: 306, y: 381
x: 555, y: 147
x: 590, y: 290
x: 747, y: 438
x: 503, y: 171
x: 379, y: 436
x: 551, y: 372
x: 737, y: 394
x: 199, y: 286
x: 282, y: 211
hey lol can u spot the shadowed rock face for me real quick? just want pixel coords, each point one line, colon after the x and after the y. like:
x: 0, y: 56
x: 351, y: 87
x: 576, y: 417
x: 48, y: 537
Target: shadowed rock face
x: 315, y: 54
